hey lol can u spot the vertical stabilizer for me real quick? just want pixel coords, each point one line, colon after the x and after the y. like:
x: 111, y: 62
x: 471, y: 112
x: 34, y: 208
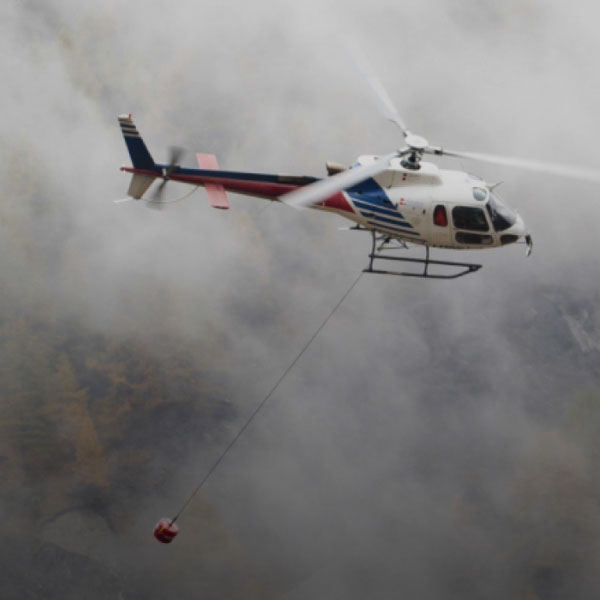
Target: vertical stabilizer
x: 140, y: 157
x: 139, y: 184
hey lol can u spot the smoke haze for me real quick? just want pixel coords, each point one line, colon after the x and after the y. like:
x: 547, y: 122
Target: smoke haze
x: 437, y: 440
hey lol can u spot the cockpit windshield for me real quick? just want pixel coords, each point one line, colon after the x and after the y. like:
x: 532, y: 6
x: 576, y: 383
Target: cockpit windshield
x: 502, y: 217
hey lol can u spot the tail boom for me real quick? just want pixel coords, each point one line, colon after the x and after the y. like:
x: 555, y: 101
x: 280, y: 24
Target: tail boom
x: 215, y: 181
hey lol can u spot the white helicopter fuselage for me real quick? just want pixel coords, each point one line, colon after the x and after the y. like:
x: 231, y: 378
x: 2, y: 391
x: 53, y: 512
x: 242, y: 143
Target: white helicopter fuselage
x: 430, y: 206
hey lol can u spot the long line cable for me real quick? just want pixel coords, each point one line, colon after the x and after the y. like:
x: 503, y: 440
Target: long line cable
x: 263, y: 402
x: 186, y: 195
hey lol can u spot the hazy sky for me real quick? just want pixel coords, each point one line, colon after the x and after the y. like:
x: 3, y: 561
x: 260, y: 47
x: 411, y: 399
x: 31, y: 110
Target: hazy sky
x: 419, y: 399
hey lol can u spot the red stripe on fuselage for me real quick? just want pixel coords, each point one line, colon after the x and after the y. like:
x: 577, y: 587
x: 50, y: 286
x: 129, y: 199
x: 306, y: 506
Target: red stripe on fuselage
x: 337, y: 202
x: 263, y: 189
x: 141, y: 171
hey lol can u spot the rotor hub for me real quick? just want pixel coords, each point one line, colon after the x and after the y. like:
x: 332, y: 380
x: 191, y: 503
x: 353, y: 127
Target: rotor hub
x: 416, y: 142
x: 412, y: 161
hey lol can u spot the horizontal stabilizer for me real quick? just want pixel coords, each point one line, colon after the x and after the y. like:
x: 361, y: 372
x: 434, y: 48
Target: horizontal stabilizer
x: 215, y: 192
x: 333, y: 168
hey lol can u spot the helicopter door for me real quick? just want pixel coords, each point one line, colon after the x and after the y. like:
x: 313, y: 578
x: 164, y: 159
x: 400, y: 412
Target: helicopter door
x: 471, y: 227
x: 440, y: 225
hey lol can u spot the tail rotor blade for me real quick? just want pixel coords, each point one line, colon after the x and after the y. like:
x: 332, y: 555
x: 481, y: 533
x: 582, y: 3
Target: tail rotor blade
x: 156, y: 200
x: 158, y: 192
x: 175, y: 154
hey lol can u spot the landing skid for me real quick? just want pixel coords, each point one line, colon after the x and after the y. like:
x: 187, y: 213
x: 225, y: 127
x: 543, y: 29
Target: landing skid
x: 465, y: 268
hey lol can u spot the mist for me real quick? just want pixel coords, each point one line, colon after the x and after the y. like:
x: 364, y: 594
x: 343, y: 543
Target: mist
x: 436, y: 440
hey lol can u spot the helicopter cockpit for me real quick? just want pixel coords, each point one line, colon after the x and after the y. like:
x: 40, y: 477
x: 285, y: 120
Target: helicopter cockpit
x: 501, y: 216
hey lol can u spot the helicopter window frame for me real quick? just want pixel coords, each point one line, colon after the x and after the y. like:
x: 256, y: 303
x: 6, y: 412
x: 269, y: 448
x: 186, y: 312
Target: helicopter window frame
x: 470, y: 218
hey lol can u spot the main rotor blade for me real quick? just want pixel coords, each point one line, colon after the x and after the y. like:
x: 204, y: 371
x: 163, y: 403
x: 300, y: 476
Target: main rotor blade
x: 382, y: 98
x: 571, y: 171
x: 322, y: 189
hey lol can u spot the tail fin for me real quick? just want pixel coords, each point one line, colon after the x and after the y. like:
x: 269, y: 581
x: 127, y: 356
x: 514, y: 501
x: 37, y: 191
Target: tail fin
x: 140, y: 157
x: 139, y: 184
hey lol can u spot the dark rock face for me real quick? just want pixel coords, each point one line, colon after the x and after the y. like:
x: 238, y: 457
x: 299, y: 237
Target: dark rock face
x: 57, y: 573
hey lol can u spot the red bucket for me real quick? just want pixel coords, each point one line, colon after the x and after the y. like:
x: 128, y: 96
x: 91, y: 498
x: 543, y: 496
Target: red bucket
x: 165, y: 531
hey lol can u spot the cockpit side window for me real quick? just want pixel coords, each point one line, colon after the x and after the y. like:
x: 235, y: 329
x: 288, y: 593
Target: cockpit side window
x: 502, y: 217
x: 440, y: 218
x: 469, y: 218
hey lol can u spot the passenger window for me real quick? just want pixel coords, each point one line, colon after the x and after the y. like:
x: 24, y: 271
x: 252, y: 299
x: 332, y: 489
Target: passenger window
x: 470, y: 218
x: 440, y: 218
x: 473, y: 238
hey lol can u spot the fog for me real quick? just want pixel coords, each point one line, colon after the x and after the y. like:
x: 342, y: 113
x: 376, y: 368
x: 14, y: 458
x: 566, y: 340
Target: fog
x: 436, y: 440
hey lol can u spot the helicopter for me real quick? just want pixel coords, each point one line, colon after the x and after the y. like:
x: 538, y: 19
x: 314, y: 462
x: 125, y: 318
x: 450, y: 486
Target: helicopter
x: 399, y: 198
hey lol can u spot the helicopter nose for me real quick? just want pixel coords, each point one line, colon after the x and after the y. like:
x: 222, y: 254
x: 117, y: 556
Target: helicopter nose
x: 517, y: 231
x: 519, y: 226
x: 520, y: 230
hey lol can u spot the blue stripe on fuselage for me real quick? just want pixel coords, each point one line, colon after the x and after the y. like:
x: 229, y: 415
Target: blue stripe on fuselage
x: 376, y: 217
x: 382, y: 227
x: 369, y: 195
x: 244, y: 176
x: 391, y: 212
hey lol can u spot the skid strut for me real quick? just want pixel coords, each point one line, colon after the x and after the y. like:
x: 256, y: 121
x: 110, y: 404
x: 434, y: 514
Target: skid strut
x: 465, y: 268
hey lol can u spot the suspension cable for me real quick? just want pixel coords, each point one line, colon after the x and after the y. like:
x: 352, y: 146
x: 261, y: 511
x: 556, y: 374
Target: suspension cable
x: 186, y: 195
x: 263, y: 402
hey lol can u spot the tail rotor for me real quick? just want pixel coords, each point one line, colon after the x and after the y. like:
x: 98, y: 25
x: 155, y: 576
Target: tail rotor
x: 157, y: 200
